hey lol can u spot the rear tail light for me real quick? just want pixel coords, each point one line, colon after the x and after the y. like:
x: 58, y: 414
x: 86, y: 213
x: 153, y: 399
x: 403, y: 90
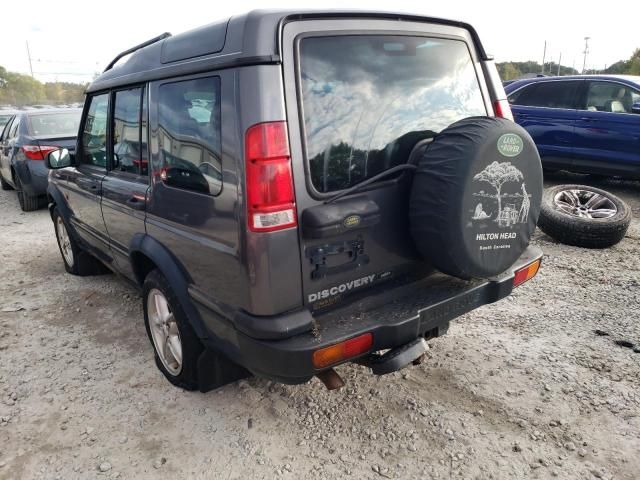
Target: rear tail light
x: 526, y: 273
x: 37, y: 152
x: 342, y: 351
x: 270, y: 198
x: 502, y: 109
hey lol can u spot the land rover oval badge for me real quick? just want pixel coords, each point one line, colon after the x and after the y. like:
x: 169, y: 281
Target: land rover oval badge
x: 352, y: 221
x: 510, y: 145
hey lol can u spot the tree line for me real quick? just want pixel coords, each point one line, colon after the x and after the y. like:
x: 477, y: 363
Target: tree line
x: 19, y: 90
x: 513, y: 70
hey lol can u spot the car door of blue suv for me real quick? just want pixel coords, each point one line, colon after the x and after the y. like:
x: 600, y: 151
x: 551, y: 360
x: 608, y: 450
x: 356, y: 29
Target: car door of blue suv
x: 607, y: 135
x: 547, y: 110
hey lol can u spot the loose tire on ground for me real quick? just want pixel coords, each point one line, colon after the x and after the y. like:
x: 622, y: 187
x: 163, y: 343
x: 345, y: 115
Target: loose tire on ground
x: 76, y: 260
x: 568, y: 213
x: 186, y: 374
x: 475, y: 197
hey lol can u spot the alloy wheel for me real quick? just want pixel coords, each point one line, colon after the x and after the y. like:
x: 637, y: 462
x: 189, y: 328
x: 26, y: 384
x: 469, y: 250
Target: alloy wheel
x: 164, y: 332
x: 584, y: 204
x: 64, y: 241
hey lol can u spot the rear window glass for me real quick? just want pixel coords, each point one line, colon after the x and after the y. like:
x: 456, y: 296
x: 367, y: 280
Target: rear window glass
x: 368, y: 99
x: 55, y: 124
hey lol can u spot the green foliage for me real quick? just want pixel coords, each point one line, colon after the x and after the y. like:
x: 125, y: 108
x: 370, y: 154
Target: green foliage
x: 626, y: 67
x: 20, y: 90
x: 513, y: 70
x: 633, y: 67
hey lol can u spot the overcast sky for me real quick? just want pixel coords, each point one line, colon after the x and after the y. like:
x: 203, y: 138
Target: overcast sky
x: 71, y: 41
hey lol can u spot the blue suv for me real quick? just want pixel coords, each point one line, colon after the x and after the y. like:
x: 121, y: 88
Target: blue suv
x: 588, y: 124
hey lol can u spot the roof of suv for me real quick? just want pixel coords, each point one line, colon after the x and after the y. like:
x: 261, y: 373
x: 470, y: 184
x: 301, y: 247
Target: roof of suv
x: 251, y: 38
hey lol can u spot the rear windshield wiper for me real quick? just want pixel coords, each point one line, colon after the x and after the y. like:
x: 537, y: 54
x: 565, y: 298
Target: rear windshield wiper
x: 410, y: 165
x: 369, y: 181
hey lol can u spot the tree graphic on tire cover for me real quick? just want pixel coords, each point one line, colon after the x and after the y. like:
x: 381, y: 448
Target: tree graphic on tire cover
x: 497, y: 174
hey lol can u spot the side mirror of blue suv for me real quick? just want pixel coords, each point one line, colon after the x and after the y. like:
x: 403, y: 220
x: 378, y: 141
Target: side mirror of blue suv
x: 635, y: 108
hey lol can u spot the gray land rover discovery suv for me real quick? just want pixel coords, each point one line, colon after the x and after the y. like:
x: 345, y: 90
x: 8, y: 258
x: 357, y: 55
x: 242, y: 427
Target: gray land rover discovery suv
x: 295, y: 190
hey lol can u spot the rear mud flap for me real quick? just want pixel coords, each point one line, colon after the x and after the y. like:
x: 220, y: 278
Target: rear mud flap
x: 215, y: 371
x: 397, y: 358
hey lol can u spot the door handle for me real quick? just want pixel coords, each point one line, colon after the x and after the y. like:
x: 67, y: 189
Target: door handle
x: 587, y: 119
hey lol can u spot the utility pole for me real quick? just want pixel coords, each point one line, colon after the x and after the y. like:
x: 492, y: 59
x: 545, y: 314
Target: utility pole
x: 559, y: 62
x: 544, y: 56
x: 29, y: 57
x: 586, y: 51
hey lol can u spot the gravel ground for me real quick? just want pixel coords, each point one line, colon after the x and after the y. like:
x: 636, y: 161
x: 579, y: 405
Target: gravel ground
x: 521, y: 389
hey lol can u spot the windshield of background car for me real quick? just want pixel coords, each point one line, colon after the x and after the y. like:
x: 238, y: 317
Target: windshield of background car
x: 55, y: 124
x: 368, y: 99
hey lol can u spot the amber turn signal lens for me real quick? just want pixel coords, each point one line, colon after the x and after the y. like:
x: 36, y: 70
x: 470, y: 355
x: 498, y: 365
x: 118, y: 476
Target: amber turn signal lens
x: 342, y: 351
x: 526, y: 273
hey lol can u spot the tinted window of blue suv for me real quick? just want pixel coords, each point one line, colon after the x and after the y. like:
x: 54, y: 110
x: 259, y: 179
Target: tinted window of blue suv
x: 554, y: 94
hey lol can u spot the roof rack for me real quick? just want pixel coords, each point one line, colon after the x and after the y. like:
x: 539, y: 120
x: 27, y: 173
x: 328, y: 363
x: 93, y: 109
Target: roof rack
x: 137, y: 47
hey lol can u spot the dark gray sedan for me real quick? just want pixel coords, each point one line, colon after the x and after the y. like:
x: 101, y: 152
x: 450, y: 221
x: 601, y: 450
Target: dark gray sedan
x: 25, y: 141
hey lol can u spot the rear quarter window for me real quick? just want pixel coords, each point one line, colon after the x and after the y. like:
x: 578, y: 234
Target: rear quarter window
x: 368, y: 99
x: 190, y: 128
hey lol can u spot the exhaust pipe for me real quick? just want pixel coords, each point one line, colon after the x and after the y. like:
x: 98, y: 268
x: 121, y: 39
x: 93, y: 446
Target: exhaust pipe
x: 331, y: 379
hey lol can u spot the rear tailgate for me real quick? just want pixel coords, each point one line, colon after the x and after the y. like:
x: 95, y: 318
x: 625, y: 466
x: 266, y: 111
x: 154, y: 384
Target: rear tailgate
x: 360, y: 95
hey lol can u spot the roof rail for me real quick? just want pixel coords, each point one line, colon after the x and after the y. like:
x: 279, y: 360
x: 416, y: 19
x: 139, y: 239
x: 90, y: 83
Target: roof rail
x: 137, y: 47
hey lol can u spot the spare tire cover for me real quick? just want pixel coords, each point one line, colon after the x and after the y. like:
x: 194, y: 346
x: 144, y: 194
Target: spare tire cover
x: 475, y: 198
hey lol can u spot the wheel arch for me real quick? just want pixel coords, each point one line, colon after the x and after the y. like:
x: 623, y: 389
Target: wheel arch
x: 147, y: 254
x: 55, y: 198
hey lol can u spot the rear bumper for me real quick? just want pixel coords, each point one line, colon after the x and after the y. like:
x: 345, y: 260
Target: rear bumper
x: 394, y: 317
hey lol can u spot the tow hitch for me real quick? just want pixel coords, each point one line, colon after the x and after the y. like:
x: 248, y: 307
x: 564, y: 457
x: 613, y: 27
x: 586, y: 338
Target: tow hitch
x: 397, y: 358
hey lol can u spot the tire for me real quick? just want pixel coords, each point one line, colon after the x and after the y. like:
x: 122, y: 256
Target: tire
x: 183, y: 374
x: 28, y: 203
x: 76, y: 260
x: 4, y: 184
x: 570, y: 225
x: 475, y: 197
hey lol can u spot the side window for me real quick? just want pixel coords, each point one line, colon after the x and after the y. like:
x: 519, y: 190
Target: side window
x: 94, y: 132
x: 5, y: 130
x: 189, y: 133
x: 610, y: 97
x: 127, y: 147
x: 13, y: 133
x: 558, y: 94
